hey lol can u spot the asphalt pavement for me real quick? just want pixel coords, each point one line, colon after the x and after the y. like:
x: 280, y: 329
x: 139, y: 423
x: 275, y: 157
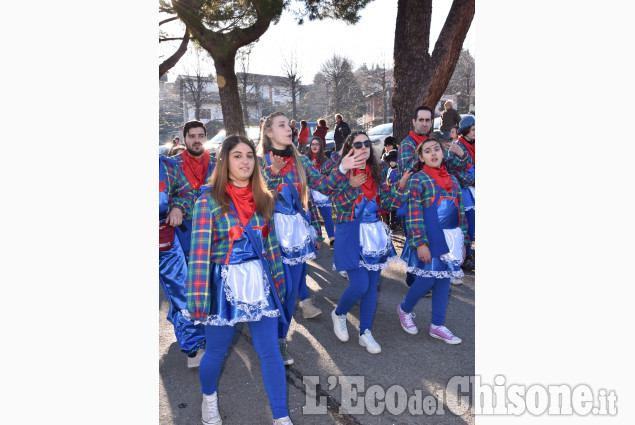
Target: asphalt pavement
x: 401, y: 385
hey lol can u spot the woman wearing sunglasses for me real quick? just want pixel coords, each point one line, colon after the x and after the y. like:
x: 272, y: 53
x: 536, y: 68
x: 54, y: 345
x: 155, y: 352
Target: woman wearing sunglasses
x: 357, y: 219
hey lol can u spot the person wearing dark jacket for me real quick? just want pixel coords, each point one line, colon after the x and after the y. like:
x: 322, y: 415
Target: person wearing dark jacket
x: 342, y: 130
x: 449, y: 118
x: 321, y: 131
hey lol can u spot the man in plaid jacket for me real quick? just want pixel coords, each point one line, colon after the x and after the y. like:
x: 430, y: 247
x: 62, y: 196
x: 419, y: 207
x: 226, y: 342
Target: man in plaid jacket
x: 193, y: 168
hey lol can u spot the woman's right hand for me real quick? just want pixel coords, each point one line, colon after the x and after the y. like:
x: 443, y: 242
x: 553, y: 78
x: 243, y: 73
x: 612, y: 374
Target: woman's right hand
x: 423, y: 252
x: 351, y: 161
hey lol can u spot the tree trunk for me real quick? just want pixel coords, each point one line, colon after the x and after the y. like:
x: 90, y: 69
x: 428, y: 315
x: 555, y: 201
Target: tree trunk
x: 420, y: 78
x: 223, y: 47
x: 228, y: 92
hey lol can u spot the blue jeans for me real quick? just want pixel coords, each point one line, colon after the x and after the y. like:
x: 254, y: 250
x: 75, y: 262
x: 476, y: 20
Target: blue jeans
x: 440, y: 292
x: 363, y: 287
x: 265, y: 340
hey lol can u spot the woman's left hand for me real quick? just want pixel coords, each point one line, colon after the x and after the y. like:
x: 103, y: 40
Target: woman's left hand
x: 456, y: 149
x: 404, y: 179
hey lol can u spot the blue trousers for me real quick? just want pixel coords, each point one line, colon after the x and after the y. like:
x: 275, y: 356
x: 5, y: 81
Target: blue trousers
x: 263, y: 335
x: 471, y: 219
x: 295, y: 277
x: 172, y: 274
x: 327, y: 216
x: 362, y: 287
x: 440, y: 292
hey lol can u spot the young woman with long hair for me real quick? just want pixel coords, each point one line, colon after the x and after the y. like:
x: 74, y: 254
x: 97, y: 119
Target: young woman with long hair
x: 356, y: 211
x: 321, y: 201
x: 291, y: 176
x: 436, y: 238
x: 235, y: 274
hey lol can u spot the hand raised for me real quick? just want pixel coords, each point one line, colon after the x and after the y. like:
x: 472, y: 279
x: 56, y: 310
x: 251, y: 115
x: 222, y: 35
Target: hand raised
x: 277, y: 163
x: 404, y: 179
x: 352, y: 160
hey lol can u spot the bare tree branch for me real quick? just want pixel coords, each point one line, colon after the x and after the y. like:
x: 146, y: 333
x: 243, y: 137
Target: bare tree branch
x: 169, y: 63
x: 165, y: 21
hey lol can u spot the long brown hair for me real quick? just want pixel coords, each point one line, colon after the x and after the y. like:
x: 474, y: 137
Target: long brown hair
x: 220, y: 177
x: 265, y: 146
x: 375, y: 169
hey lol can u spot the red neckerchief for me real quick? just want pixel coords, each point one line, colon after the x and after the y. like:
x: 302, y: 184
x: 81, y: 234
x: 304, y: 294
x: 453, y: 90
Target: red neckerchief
x: 195, y: 168
x: 440, y: 175
x: 417, y: 138
x: 471, y: 148
x: 314, y: 158
x: 369, y: 188
x: 243, y: 199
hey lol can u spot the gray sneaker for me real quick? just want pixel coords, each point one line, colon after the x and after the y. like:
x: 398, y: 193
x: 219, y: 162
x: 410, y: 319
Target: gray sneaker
x: 284, y: 350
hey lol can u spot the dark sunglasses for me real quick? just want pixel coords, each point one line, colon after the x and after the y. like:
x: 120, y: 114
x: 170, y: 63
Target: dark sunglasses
x: 358, y: 145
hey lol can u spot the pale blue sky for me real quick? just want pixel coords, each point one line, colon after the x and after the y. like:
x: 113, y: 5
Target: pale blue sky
x: 369, y: 41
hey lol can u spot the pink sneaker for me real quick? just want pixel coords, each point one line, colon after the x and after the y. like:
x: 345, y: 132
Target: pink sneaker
x: 407, y: 323
x: 443, y: 333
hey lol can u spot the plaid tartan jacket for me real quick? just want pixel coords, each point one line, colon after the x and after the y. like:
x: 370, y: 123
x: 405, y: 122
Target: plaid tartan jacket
x: 422, y: 189
x: 210, y: 244
x: 344, y: 196
x: 461, y: 174
x: 407, y: 158
x: 184, y: 190
x: 315, y: 179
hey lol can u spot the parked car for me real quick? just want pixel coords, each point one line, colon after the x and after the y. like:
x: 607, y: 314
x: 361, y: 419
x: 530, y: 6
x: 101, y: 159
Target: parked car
x: 377, y: 135
x: 330, y: 144
x: 214, y: 144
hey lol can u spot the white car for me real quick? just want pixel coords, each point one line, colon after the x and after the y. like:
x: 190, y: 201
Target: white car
x: 214, y: 144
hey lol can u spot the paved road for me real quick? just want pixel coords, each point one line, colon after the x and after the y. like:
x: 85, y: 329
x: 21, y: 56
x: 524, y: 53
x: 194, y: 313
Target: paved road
x: 416, y: 363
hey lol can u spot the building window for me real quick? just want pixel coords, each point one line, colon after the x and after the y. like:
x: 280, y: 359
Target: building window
x: 276, y: 92
x: 206, y: 114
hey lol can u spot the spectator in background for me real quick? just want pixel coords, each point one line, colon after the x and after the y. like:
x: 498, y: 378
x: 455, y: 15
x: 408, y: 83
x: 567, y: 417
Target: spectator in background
x: 175, y: 150
x: 303, y: 137
x: 321, y: 131
x: 294, y: 130
x: 176, y: 141
x: 342, y: 130
x: 449, y: 118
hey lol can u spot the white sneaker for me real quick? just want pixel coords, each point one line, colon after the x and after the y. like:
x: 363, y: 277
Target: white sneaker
x: 339, y: 326
x: 193, y: 362
x: 283, y: 421
x: 367, y: 340
x: 209, y: 408
x: 454, y: 281
x: 309, y: 311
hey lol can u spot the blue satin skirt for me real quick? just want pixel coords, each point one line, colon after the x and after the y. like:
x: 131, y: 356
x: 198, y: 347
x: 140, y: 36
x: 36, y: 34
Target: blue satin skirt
x: 172, y: 275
